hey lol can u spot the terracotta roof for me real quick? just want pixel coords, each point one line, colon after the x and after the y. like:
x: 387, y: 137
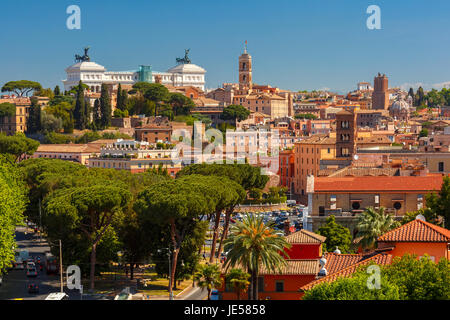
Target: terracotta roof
x: 380, y: 259
x: 293, y: 267
x: 68, y: 148
x: 318, y: 139
x: 361, y: 172
x: 336, y: 262
x: 305, y: 236
x: 378, y: 183
x: 417, y: 231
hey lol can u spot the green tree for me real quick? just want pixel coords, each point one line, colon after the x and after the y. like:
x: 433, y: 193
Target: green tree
x: 354, y: 288
x: 105, y: 108
x: 86, y: 210
x: 50, y: 123
x: 253, y: 245
x: 373, y: 223
x: 411, y: 93
x: 305, y: 116
x: 17, y: 145
x: 157, y: 93
x: 337, y: 236
x: 7, y: 109
x: 247, y: 176
x: 57, y: 91
x: 12, y: 204
x: 235, y: 112
x: 97, y: 114
x: 175, y: 205
x: 208, y: 277
x: 21, y: 87
x: 238, y: 279
x: 181, y: 105
x: 423, y: 133
x: 44, y: 93
x: 80, y: 115
x: 420, y: 279
x: 121, y: 98
x: 34, y: 118
x: 64, y: 111
x: 439, y: 203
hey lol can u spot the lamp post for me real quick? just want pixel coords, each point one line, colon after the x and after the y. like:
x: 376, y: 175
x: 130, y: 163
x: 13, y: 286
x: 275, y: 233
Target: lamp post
x: 170, y: 273
x: 60, y: 265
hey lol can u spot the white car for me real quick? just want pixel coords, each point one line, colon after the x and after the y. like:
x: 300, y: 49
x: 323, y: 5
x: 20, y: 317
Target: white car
x: 57, y: 296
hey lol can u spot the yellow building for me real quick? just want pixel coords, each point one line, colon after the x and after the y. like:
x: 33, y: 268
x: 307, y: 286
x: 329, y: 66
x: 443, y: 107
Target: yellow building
x: 17, y: 123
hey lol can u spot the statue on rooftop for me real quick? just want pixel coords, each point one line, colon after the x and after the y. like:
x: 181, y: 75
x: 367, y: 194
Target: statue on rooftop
x: 186, y: 59
x: 83, y: 58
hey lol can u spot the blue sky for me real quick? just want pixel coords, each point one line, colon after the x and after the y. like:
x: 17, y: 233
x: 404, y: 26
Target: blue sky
x: 295, y: 44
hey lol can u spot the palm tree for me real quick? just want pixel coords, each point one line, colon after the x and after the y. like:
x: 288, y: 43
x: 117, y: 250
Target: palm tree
x: 208, y: 277
x: 239, y: 280
x: 373, y: 223
x: 252, y: 245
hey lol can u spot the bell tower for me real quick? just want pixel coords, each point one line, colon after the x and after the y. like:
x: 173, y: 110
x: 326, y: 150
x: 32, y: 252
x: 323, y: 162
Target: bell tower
x: 245, y: 71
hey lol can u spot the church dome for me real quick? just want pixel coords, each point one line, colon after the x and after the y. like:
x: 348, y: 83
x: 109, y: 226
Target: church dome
x: 187, y: 68
x: 86, y: 66
x: 400, y: 105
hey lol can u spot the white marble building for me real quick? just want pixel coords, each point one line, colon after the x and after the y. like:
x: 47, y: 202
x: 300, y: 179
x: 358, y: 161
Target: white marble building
x: 93, y: 75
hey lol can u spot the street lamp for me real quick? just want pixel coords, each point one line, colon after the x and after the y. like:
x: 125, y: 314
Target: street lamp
x: 170, y: 273
x: 60, y: 264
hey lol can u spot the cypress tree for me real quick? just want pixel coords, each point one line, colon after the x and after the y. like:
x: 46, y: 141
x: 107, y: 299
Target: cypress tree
x: 57, y: 91
x: 97, y: 114
x: 80, y: 109
x: 105, y: 107
x: 34, y: 119
x: 119, y: 97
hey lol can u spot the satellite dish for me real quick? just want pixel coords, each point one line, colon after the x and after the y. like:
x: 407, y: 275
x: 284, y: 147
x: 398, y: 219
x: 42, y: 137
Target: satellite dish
x: 420, y: 217
x: 356, y: 157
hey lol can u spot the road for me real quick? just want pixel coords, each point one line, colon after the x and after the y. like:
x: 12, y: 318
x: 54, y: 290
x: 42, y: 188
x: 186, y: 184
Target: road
x: 15, y: 283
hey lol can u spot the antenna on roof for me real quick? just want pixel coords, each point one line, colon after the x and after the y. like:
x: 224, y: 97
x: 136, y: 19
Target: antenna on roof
x: 245, y: 47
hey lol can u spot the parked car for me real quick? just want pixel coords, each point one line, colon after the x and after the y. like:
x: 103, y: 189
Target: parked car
x: 33, y: 288
x: 31, y: 272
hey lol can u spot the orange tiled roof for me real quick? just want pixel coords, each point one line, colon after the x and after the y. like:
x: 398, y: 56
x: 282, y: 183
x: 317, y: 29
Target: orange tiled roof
x: 336, y: 262
x: 68, y: 148
x: 380, y: 259
x: 378, y: 183
x: 305, y: 236
x: 417, y: 231
x: 293, y: 267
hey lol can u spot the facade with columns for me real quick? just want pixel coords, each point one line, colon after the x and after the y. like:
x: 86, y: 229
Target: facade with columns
x: 94, y: 75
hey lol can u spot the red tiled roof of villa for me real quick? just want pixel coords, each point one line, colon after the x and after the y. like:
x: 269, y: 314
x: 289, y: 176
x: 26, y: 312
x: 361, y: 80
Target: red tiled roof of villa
x: 417, y: 231
x: 380, y: 259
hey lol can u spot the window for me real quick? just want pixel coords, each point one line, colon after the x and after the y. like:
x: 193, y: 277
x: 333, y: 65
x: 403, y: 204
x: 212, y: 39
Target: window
x: 441, y: 167
x: 260, y: 284
x: 279, y: 286
x: 397, y: 205
x: 356, y: 205
x: 321, y: 210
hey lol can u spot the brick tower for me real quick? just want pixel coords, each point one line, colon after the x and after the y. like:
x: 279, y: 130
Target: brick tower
x: 380, y: 95
x: 345, y: 133
x: 245, y: 72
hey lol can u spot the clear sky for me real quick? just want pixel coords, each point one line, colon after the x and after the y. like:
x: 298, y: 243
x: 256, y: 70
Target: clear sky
x: 295, y: 44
